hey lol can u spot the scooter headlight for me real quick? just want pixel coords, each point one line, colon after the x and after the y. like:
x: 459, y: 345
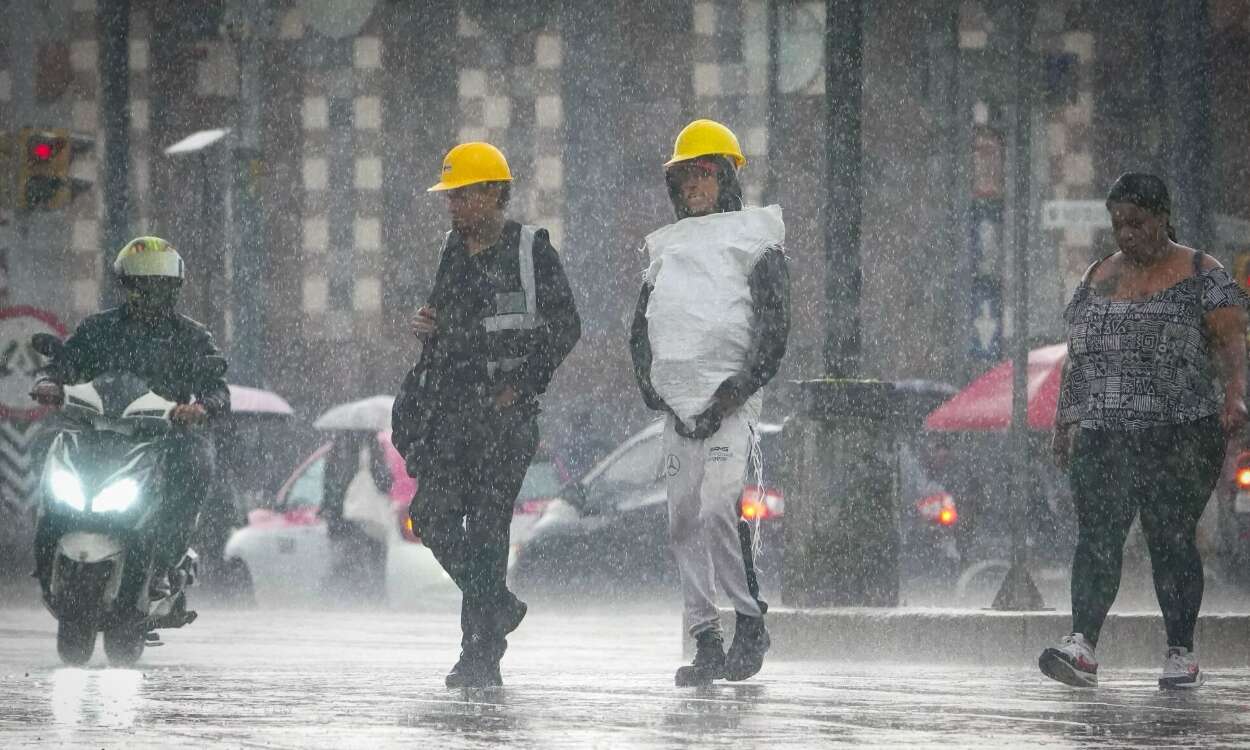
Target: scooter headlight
x: 66, y: 488
x: 117, y: 497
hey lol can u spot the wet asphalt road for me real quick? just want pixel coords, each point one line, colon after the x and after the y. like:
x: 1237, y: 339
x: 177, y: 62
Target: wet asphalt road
x: 575, y: 679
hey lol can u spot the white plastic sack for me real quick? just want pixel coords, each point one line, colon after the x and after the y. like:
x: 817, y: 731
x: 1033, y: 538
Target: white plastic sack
x: 699, y: 315
x: 367, y: 506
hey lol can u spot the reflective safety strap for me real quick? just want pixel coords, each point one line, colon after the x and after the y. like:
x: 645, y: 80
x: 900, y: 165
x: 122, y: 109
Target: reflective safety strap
x: 504, y: 365
x: 529, y: 318
x: 517, y: 321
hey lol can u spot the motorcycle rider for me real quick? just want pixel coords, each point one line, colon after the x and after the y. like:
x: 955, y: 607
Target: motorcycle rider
x: 709, y: 331
x: 146, y: 337
x: 499, y: 321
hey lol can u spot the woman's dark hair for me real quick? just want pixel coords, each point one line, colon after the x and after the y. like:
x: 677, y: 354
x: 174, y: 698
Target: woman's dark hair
x: 729, y: 190
x: 1146, y: 191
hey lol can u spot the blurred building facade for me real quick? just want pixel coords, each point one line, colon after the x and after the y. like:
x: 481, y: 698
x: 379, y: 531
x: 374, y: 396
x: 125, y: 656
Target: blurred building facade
x: 585, y: 100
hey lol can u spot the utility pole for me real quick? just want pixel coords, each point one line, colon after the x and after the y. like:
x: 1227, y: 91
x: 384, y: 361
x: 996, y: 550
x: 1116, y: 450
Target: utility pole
x: 1186, y: 66
x: 844, y: 95
x: 113, y: 32
x: 1018, y: 592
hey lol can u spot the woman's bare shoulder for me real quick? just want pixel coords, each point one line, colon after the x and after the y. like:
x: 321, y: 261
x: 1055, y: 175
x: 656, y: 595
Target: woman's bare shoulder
x: 1101, y: 270
x: 1209, y: 261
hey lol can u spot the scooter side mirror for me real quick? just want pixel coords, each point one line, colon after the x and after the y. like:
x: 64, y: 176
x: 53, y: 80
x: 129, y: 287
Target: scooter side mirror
x: 47, y: 344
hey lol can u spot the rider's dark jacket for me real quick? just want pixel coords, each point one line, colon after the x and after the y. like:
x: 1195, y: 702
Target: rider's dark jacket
x: 168, y: 353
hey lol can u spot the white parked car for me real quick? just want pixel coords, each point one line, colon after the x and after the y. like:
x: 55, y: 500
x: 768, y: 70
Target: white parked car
x: 286, y: 551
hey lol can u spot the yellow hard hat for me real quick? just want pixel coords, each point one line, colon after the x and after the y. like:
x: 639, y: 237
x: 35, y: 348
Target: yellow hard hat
x: 706, y: 138
x: 149, y: 256
x: 471, y: 163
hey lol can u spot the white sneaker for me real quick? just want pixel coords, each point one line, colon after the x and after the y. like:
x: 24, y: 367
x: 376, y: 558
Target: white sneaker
x: 1180, y: 670
x: 1072, y: 662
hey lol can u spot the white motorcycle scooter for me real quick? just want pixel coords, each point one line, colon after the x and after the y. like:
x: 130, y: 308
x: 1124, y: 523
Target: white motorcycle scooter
x: 101, y: 492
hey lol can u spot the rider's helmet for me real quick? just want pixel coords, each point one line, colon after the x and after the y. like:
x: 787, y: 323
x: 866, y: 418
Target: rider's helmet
x: 152, y: 272
x: 149, y: 257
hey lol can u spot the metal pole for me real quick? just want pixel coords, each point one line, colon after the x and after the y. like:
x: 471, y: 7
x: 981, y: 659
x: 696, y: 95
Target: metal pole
x: 247, y: 340
x: 1018, y: 592
x: 774, y: 99
x: 844, y: 87
x: 113, y: 32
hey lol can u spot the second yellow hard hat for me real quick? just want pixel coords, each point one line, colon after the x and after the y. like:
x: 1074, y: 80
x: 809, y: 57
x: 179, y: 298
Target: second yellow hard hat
x: 706, y: 138
x: 471, y: 163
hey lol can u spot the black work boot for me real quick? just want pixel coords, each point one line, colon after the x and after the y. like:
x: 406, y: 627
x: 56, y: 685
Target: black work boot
x: 511, y: 614
x: 746, y: 653
x: 709, y: 661
x: 481, y: 649
x: 474, y: 670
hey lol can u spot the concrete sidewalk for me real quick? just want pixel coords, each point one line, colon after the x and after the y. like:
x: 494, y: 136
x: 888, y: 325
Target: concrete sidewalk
x: 983, y: 637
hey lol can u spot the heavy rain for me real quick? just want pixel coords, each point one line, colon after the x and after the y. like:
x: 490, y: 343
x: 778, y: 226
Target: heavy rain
x: 672, y: 373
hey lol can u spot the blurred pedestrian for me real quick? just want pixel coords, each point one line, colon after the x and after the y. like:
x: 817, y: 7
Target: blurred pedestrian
x: 355, y: 495
x: 1153, y: 387
x: 709, y: 331
x: 587, y: 442
x: 499, y: 320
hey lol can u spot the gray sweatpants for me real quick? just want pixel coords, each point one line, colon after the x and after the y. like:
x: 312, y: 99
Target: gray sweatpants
x: 705, y: 479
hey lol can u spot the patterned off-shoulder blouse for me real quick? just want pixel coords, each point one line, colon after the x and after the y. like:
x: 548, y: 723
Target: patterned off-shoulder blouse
x: 1134, y: 364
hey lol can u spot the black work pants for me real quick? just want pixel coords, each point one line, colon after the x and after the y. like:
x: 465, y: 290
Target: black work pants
x: 463, y: 513
x: 1165, y: 474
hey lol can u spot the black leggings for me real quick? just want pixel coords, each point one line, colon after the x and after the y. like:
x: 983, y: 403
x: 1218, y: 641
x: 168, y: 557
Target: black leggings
x: 1165, y: 473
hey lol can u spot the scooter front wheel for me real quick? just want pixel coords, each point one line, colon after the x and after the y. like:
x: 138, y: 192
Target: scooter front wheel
x: 123, y: 645
x: 75, y: 641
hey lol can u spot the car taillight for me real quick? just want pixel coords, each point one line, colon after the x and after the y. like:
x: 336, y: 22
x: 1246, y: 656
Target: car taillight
x: 938, y: 508
x: 761, y: 503
x: 531, y: 507
x: 1243, y: 478
x: 1241, y: 474
x: 406, y: 529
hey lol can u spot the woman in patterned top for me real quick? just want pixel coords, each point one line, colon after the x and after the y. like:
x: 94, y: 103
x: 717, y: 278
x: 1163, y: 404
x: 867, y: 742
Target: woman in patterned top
x: 1153, y: 386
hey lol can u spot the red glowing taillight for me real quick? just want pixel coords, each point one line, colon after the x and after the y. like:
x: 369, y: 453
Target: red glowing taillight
x: 938, y: 508
x: 761, y: 503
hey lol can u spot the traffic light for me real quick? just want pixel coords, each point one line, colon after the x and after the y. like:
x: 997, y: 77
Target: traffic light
x: 45, y: 158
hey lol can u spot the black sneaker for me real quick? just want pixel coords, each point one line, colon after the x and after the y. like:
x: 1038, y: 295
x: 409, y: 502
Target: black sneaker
x: 708, y: 664
x: 159, y: 587
x: 474, y: 672
x: 746, y: 653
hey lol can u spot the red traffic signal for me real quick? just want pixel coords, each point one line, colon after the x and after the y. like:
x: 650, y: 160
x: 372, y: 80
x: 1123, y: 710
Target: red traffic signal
x: 44, y: 150
x: 45, y: 181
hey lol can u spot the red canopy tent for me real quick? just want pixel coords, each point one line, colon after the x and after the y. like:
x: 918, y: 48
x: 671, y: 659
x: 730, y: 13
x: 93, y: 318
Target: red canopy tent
x: 985, y: 405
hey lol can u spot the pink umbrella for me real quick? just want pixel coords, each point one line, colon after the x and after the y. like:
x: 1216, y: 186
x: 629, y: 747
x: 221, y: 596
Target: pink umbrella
x: 244, y: 400
x: 985, y: 405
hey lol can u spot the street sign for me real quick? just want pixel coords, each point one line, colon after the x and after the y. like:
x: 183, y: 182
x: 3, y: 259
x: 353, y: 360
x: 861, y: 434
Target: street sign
x: 985, y: 323
x: 19, y: 362
x: 1086, y: 214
